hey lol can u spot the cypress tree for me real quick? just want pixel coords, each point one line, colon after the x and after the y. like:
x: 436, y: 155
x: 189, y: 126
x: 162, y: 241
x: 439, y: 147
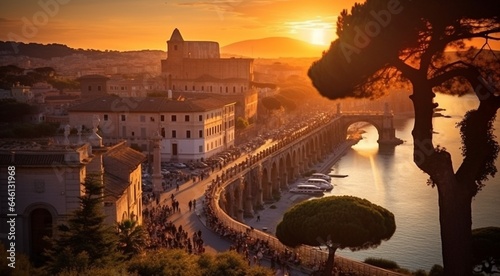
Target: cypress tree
x: 85, y: 241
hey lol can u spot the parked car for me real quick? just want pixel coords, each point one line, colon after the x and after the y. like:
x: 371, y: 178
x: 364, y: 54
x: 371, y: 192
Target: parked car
x: 201, y: 165
x: 180, y: 165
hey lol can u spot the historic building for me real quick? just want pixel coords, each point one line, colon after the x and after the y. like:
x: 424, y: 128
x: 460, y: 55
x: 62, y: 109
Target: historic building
x: 191, y: 128
x: 48, y: 181
x: 93, y: 86
x: 196, y: 66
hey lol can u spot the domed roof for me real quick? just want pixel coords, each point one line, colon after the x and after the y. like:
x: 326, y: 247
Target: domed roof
x: 176, y: 35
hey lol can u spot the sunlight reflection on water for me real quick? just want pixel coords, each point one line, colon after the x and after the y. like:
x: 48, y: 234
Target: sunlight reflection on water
x: 392, y: 180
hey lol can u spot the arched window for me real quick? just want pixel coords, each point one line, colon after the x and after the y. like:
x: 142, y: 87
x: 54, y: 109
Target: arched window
x: 40, y: 226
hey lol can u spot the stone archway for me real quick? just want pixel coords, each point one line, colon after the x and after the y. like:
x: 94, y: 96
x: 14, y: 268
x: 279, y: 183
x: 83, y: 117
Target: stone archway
x: 383, y: 122
x: 41, y: 224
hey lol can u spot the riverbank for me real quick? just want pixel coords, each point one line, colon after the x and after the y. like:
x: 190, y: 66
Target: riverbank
x: 268, y: 218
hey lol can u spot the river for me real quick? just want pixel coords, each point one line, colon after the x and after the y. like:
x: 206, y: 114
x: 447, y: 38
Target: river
x: 392, y: 180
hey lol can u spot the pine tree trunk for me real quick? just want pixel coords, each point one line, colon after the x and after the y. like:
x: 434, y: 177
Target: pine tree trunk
x: 456, y: 223
x: 454, y: 197
x: 330, y: 261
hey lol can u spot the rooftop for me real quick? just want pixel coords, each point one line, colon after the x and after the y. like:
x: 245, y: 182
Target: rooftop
x: 151, y: 104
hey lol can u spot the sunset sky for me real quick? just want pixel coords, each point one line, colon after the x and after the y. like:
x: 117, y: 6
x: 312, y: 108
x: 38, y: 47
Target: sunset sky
x: 147, y: 24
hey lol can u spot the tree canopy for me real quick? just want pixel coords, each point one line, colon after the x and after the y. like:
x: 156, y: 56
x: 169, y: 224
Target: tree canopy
x: 271, y: 103
x: 348, y: 221
x: 178, y: 262
x: 385, y: 43
x: 336, y: 222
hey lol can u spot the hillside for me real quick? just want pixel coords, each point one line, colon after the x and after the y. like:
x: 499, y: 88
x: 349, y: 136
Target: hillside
x: 273, y: 47
x: 54, y: 50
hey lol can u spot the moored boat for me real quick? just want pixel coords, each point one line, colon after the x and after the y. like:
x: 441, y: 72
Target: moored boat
x: 339, y: 175
x: 320, y: 183
x: 307, y: 189
x: 321, y: 176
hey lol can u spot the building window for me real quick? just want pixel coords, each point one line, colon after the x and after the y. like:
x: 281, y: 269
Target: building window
x: 98, y: 88
x: 90, y: 88
x: 162, y: 118
x: 163, y: 132
x: 203, y: 88
x: 175, y: 47
x: 185, y: 87
x: 200, y: 118
x: 200, y: 149
x: 105, y: 117
x: 142, y: 118
x: 234, y: 89
x: 227, y: 89
x: 220, y: 89
x: 123, y: 118
x: 194, y: 88
x: 152, y: 119
x: 186, y: 118
x: 188, y: 134
x: 210, y: 88
x: 174, y: 118
x: 174, y: 134
x: 200, y: 133
x: 143, y: 132
x: 133, y: 133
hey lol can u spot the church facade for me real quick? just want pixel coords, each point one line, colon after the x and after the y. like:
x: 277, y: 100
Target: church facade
x: 196, y: 66
x: 49, y: 181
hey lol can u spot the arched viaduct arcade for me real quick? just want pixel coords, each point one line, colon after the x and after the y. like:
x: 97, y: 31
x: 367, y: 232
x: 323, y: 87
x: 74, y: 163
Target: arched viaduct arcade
x: 244, y: 187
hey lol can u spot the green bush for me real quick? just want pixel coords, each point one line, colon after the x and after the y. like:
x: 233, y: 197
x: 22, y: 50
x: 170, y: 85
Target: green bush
x: 382, y: 263
x: 436, y: 270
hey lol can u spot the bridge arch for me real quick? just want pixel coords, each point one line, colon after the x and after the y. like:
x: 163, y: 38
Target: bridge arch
x: 383, y: 122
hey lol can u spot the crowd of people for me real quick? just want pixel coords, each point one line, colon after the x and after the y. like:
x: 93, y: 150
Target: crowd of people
x: 163, y: 233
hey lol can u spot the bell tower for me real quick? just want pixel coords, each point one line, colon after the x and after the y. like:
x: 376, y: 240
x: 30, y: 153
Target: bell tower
x: 172, y: 67
x: 175, y: 46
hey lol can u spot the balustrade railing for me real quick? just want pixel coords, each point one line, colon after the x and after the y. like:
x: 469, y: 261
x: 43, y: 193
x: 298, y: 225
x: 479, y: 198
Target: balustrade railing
x: 310, y: 256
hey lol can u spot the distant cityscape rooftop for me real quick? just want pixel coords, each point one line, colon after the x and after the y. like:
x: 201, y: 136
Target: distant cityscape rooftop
x: 47, y: 144
x: 152, y: 104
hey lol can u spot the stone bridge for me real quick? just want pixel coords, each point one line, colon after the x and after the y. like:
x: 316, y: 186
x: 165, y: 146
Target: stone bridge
x: 244, y: 187
x: 262, y: 176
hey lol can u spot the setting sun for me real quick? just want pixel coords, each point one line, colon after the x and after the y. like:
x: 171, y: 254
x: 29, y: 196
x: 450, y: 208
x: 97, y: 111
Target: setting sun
x: 318, y: 37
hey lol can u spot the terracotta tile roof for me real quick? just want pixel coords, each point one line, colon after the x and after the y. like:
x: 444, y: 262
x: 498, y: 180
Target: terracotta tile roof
x: 118, y: 163
x: 114, y: 186
x: 208, y: 78
x: 35, y: 159
x: 151, y: 104
x: 122, y: 160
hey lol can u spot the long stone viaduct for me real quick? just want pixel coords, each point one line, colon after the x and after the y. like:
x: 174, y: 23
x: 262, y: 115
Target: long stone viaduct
x: 244, y: 187
x: 262, y: 176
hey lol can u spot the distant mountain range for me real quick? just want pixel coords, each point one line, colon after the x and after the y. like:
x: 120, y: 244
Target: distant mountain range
x: 273, y: 47
x: 54, y: 50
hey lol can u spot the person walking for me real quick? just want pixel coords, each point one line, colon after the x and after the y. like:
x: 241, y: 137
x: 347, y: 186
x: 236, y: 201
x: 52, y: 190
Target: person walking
x: 190, y: 205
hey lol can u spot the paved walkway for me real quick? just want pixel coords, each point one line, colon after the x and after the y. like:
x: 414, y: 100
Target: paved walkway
x: 194, y: 220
